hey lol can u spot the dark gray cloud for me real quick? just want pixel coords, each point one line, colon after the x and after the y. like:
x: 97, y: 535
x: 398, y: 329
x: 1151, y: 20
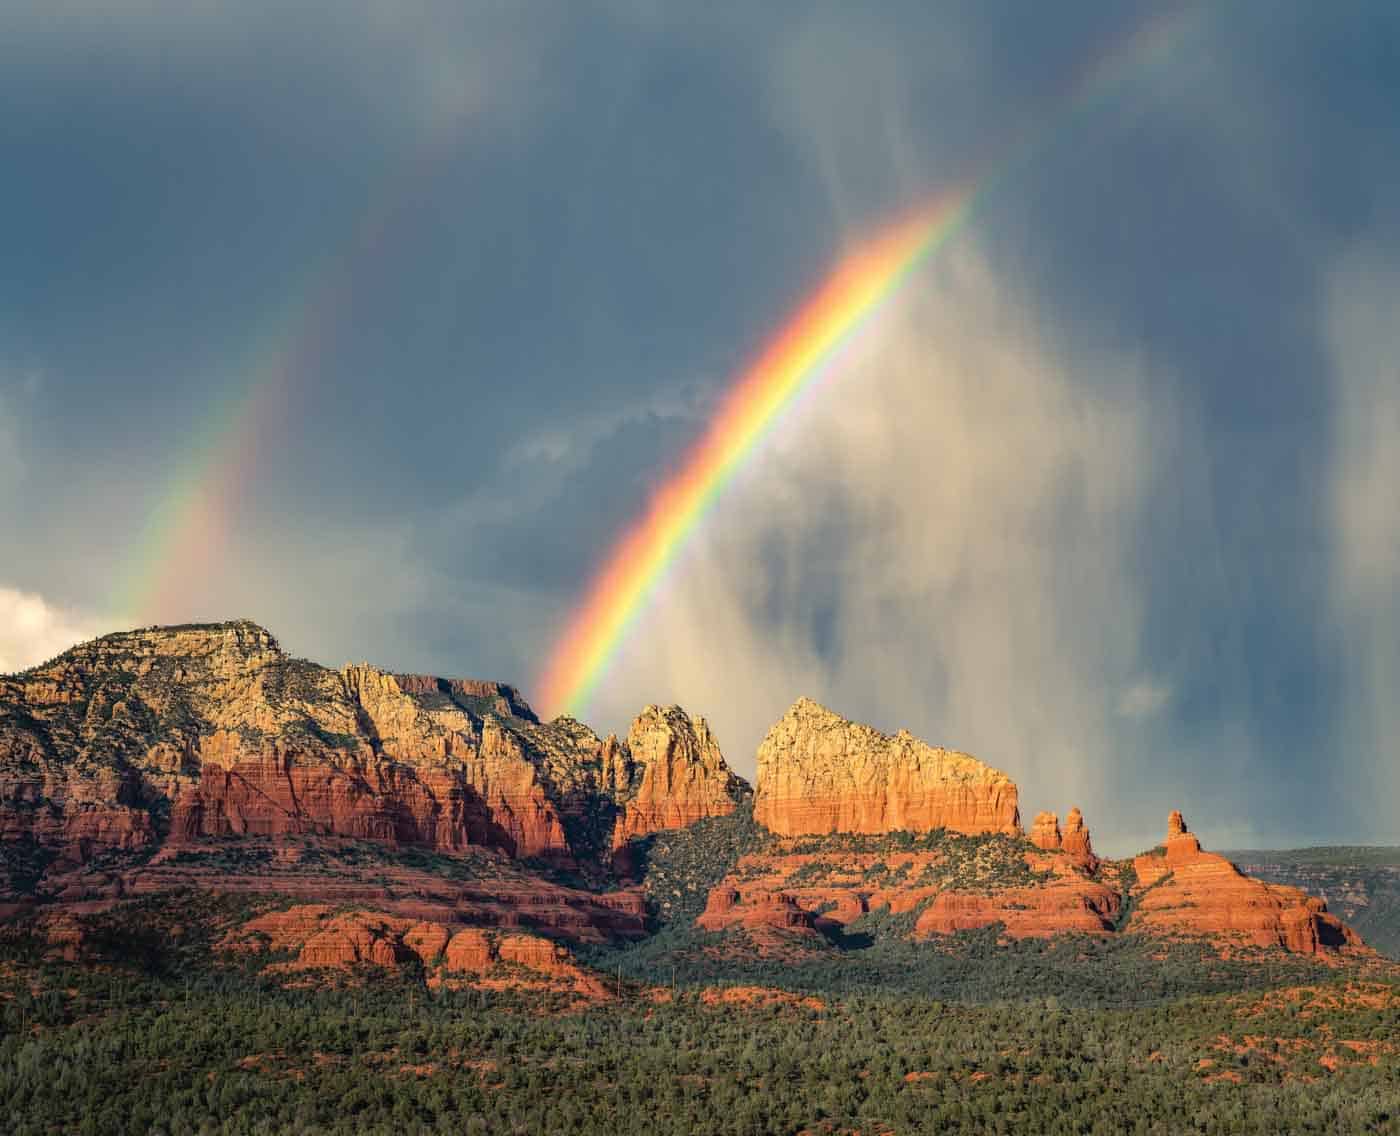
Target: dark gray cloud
x: 509, y: 255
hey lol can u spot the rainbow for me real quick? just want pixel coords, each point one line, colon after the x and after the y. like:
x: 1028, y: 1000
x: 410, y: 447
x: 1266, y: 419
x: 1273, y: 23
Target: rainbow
x: 804, y: 351
x: 167, y: 571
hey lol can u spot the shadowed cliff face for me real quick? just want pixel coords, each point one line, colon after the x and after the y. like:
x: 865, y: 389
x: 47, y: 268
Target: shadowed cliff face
x: 169, y: 736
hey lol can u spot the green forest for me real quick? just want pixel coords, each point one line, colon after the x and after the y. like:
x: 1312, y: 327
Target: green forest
x: 964, y: 1035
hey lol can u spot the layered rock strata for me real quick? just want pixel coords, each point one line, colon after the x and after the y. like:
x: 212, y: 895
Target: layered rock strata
x: 819, y: 773
x: 948, y: 887
x: 205, y: 757
x: 1185, y: 891
x: 1047, y: 884
x: 179, y: 735
x: 679, y: 773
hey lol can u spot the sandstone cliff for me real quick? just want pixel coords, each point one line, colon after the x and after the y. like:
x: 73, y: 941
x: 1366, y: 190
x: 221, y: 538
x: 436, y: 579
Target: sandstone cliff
x: 679, y: 773
x: 1050, y: 883
x: 204, y: 757
x: 1185, y: 891
x: 937, y: 884
x: 178, y: 735
x: 819, y: 773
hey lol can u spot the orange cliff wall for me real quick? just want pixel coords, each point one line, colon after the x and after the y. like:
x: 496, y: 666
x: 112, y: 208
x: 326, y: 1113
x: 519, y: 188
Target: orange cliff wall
x: 819, y: 773
x: 1186, y: 891
x: 680, y: 772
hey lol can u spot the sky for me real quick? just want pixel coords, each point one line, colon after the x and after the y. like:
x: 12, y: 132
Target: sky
x: 379, y: 322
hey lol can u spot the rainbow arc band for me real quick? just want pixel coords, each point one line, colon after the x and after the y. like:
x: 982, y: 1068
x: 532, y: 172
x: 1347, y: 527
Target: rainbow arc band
x: 796, y: 359
x: 799, y: 356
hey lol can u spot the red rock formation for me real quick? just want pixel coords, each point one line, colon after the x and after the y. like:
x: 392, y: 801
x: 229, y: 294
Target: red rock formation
x: 1076, y: 841
x: 828, y: 888
x: 482, y: 888
x: 217, y: 728
x: 427, y: 940
x: 1188, y: 892
x: 1067, y: 902
x: 729, y: 906
x: 680, y: 773
x: 1045, y: 832
x: 354, y: 939
x: 819, y: 773
x: 324, y: 939
x: 534, y: 953
x: 1180, y: 891
x: 469, y: 950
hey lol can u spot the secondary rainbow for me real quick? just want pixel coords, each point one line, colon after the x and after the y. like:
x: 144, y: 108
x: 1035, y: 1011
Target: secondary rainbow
x: 796, y: 358
x: 170, y: 571
x: 792, y: 364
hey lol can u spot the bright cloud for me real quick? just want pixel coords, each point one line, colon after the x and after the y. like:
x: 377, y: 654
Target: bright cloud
x: 33, y: 630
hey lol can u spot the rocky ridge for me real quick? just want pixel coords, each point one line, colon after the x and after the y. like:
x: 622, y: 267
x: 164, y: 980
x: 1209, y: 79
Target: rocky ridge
x: 1034, y: 887
x: 819, y: 773
x: 206, y: 757
x: 1361, y: 885
x: 177, y: 735
x: 319, y: 937
x: 1183, y: 890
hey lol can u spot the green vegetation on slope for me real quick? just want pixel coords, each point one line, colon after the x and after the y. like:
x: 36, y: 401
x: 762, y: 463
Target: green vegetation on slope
x: 975, y: 967
x: 120, y: 1051
x: 1359, y: 855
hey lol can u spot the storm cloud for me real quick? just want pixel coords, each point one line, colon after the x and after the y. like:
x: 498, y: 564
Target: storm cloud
x: 1104, y: 498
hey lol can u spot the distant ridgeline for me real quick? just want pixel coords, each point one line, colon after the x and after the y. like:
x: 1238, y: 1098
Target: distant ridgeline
x: 1360, y: 884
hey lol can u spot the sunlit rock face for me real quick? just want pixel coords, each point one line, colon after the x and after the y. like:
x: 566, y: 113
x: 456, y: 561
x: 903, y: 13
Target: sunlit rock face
x: 212, y: 731
x: 125, y: 760
x: 679, y: 773
x: 323, y: 938
x: 1186, y: 891
x: 1045, y: 832
x: 819, y: 773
